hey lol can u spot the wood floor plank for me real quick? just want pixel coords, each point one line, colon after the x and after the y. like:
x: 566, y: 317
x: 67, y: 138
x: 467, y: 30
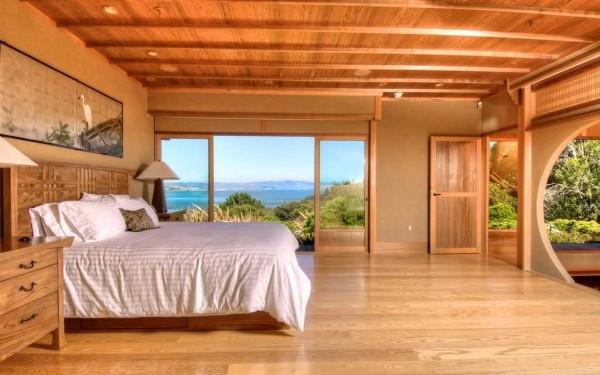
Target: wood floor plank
x: 387, y: 314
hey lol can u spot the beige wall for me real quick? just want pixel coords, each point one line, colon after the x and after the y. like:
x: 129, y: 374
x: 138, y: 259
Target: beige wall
x: 169, y: 124
x: 33, y: 33
x: 173, y: 101
x: 547, y: 144
x: 498, y: 112
x: 402, y: 143
x: 403, y: 163
x: 259, y: 103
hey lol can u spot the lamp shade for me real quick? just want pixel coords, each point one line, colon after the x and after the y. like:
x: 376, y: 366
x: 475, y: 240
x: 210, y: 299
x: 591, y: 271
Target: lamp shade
x: 158, y: 170
x: 11, y: 157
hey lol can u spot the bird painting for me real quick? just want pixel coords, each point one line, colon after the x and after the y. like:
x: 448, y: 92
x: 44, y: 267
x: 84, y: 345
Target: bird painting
x: 87, y: 112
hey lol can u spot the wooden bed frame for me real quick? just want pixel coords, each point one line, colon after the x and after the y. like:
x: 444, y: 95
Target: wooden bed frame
x: 27, y: 187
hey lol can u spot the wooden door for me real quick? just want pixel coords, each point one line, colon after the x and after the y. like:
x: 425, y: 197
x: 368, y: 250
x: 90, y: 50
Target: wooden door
x: 455, y: 195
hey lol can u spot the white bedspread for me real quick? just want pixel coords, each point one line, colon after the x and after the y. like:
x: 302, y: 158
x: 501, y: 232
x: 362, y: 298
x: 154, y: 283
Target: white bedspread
x: 186, y: 269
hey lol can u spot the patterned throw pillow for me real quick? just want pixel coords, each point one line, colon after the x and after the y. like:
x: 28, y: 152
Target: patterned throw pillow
x: 138, y: 220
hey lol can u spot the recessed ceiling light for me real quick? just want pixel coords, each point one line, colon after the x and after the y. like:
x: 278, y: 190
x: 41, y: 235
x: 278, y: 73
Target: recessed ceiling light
x: 109, y: 9
x: 398, y: 94
x: 168, y: 68
x: 362, y: 72
x: 152, y: 53
x: 439, y: 84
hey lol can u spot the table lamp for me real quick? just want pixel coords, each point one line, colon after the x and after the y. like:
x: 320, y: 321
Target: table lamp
x: 158, y: 171
x: 10, y: 156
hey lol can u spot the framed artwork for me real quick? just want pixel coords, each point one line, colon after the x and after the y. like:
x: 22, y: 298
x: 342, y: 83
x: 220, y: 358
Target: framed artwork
x: 42, y: 104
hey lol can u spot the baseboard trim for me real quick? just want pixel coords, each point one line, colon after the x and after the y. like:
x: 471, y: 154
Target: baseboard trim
x: 398, y: 247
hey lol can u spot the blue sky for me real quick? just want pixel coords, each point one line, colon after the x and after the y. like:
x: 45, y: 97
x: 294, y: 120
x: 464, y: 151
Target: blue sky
x: 250, y: 159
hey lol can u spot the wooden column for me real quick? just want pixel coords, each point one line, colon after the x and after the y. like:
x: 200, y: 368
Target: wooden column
x: 485, y: 194
x: 525, y: 214
x: 372, y: 230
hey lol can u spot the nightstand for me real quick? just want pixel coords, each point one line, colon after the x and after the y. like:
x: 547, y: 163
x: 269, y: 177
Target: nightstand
x: 31, y: 292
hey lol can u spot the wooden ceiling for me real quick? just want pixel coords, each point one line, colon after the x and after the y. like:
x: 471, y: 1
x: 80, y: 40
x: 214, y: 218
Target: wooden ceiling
x: 453, y: 49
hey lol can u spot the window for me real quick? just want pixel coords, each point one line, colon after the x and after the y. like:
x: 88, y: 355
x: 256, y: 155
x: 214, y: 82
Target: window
x: 188, y: 157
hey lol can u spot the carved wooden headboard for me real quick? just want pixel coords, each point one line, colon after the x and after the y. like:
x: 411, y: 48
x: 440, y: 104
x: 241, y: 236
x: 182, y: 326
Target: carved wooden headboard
x: 27, y: 187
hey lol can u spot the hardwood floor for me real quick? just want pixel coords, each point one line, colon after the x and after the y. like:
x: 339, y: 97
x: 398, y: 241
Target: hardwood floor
x: 445, y: 314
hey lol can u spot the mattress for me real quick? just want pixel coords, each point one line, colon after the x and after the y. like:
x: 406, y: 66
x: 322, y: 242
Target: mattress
x: 188, y: 269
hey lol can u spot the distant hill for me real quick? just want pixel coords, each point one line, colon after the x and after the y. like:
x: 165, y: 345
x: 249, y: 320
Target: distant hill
x: 240, y: 186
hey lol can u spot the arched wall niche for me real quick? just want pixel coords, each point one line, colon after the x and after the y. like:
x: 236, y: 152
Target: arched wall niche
x: 547, y: 144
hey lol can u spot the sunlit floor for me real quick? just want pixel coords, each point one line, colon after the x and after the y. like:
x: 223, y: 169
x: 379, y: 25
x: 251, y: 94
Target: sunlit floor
x: 385, y: 314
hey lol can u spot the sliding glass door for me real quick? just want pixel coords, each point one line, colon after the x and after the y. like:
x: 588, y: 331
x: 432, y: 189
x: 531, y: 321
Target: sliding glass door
x: 266, y: 178
x: 342, y: 194
x: 315, y: 185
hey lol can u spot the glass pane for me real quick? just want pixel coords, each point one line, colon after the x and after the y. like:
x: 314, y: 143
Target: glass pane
x: 261, y: 178
x: 189, y: 159
x: 342, y: 184
x: 456, y: 167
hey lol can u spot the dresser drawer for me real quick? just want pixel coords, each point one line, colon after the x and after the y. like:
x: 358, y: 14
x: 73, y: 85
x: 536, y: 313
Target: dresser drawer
x: 21, y: 327
x: 24, y: 289
x: 17, y: 263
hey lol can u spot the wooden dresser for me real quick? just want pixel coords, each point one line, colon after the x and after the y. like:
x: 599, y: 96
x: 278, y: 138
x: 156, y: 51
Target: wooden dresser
x: 31, y: 292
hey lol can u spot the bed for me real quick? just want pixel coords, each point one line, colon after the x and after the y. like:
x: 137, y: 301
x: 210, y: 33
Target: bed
x: 178, y: 276
x: 186, y: 270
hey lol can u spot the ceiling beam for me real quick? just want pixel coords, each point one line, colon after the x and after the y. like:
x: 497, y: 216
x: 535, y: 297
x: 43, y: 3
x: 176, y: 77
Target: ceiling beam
x: 320, y: 49
x: 341, y: 29
x: 296, y: 91
x: 262, y: 115
x: 406, y: 90
x: 146, y: 75
x: 286, y: 65
x: 422, y: 4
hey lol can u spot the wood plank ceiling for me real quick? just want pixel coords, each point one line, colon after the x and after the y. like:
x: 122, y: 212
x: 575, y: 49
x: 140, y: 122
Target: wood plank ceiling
x: 423, y: 49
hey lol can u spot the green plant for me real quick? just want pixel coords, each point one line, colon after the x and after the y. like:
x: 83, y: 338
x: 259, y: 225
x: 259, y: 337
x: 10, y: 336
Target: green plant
x: 500, y: 194
x: 303, y: 226
x: 195, y: 214
x: 60, y: 134
x: 502, y: 216
x: 290, y: 211
x: 573, y: 231
x: 573, y: 189
x: 243, y: 205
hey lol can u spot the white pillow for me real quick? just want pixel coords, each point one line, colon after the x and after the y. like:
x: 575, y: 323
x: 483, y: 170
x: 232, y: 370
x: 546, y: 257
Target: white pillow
x: 45, y: 220
x: 91, y: 220
x: 94, y: 197
x: 37, y: 227
x: 133, y: 204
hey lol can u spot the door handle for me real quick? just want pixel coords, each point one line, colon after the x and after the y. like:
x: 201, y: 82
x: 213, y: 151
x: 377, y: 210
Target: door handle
x: 437, y: 194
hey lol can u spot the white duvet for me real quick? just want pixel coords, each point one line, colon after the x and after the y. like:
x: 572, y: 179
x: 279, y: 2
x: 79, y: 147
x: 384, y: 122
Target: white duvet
x: 186, y: 269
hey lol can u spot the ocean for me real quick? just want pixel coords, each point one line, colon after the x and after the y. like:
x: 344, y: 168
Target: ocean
x: 182, y: 199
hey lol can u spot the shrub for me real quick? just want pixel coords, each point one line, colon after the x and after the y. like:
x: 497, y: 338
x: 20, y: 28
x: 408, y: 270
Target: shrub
x: 573, y: 231
x: 243, y: 205
x: 303, y: 227
x: 197, y: 214
x: 503, y: 216
x: 343, y: 211
x: 292, y: 210
x: 573, y: 189
x: 500, y: 194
